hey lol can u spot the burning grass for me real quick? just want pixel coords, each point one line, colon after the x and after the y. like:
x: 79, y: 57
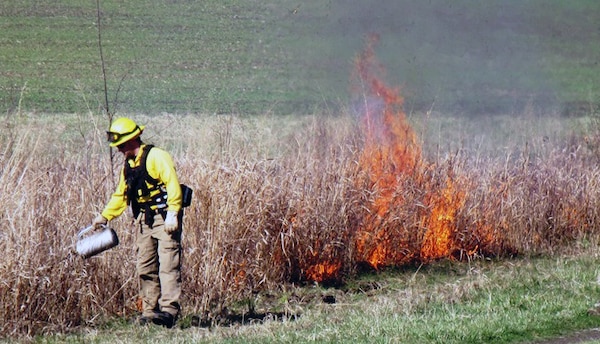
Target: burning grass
x: 278, y: 203
x: 306, y: 210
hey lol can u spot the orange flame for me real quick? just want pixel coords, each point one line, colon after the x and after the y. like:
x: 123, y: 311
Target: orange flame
x: 441, y: 224
x: 390, y: 153
x: 319, y: 264
x: 323, y: 271
x: 391, y: 158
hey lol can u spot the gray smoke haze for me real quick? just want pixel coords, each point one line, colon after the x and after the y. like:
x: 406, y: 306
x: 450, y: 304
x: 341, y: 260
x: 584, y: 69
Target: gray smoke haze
x: 471, y: 56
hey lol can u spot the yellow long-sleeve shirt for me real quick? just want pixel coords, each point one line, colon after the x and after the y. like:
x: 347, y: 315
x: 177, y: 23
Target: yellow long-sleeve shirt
x: 160, y: 166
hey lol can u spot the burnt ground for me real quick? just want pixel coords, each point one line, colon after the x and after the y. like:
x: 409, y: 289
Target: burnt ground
x: 577, y: 337
x: 582, y: 336
x: 252, y: 316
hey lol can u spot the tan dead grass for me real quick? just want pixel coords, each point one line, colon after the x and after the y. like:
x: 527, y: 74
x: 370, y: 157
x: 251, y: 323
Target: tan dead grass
x: 273, y: 198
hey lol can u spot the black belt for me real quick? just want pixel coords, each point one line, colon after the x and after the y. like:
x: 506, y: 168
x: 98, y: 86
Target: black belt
x: 149, y: 213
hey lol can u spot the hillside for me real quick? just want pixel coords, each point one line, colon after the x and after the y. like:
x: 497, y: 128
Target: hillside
x: 250, y: 57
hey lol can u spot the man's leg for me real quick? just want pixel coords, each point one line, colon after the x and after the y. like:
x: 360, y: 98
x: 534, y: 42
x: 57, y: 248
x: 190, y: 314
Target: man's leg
x: 147, y: 269
x: 169, y: 257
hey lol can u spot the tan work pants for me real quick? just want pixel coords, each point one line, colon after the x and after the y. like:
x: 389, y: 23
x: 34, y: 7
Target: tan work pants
x: 159, y: 267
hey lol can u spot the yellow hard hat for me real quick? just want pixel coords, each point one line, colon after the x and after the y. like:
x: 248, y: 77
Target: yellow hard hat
x: 123, y: 130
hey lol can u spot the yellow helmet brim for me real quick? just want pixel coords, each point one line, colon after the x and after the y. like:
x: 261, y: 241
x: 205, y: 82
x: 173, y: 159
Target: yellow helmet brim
x: 116, y: 139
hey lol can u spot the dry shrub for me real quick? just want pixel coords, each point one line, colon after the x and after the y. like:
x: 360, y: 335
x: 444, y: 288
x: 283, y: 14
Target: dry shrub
x: 273, y: 203
x: 47, y: 195
x: 257, y: 223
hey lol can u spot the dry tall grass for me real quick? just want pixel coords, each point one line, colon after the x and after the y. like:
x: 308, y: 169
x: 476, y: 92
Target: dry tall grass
x: 276, y: 200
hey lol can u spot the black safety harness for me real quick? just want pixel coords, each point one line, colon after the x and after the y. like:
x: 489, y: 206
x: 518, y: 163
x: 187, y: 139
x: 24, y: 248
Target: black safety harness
x: 140, y: 185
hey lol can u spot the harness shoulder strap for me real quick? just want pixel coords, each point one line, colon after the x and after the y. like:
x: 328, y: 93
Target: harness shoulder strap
x: 144, y: 171
x: 137, y: 177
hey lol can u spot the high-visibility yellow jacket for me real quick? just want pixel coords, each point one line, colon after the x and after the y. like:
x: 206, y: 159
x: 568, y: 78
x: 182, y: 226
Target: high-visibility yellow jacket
x: 160, y: 166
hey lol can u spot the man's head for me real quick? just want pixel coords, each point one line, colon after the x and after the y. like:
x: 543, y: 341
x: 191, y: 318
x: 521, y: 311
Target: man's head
x: 124, y: 134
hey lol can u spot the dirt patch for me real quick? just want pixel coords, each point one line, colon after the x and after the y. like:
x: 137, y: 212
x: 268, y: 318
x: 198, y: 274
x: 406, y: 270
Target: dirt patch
x: 577, y: 337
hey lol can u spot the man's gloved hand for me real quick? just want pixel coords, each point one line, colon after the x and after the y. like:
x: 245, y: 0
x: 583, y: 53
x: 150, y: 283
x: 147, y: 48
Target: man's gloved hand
x: 99, y: 221
x: 171, y: 222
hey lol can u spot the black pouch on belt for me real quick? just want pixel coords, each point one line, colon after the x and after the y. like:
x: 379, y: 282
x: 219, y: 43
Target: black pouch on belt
x: 186, y: 195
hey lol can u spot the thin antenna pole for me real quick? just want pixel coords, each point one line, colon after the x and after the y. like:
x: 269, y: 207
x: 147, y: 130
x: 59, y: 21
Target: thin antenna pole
x: 106, y: 108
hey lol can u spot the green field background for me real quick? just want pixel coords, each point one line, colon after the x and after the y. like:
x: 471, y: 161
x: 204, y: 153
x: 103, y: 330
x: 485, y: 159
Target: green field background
x: 294, y: 57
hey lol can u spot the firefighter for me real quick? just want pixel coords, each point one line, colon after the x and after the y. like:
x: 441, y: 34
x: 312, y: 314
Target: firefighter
x: 148, y: 184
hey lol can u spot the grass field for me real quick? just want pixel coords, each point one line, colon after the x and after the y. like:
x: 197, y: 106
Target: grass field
x: 513, y: 301
x: 286, y: 57
x: 345, y: 208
